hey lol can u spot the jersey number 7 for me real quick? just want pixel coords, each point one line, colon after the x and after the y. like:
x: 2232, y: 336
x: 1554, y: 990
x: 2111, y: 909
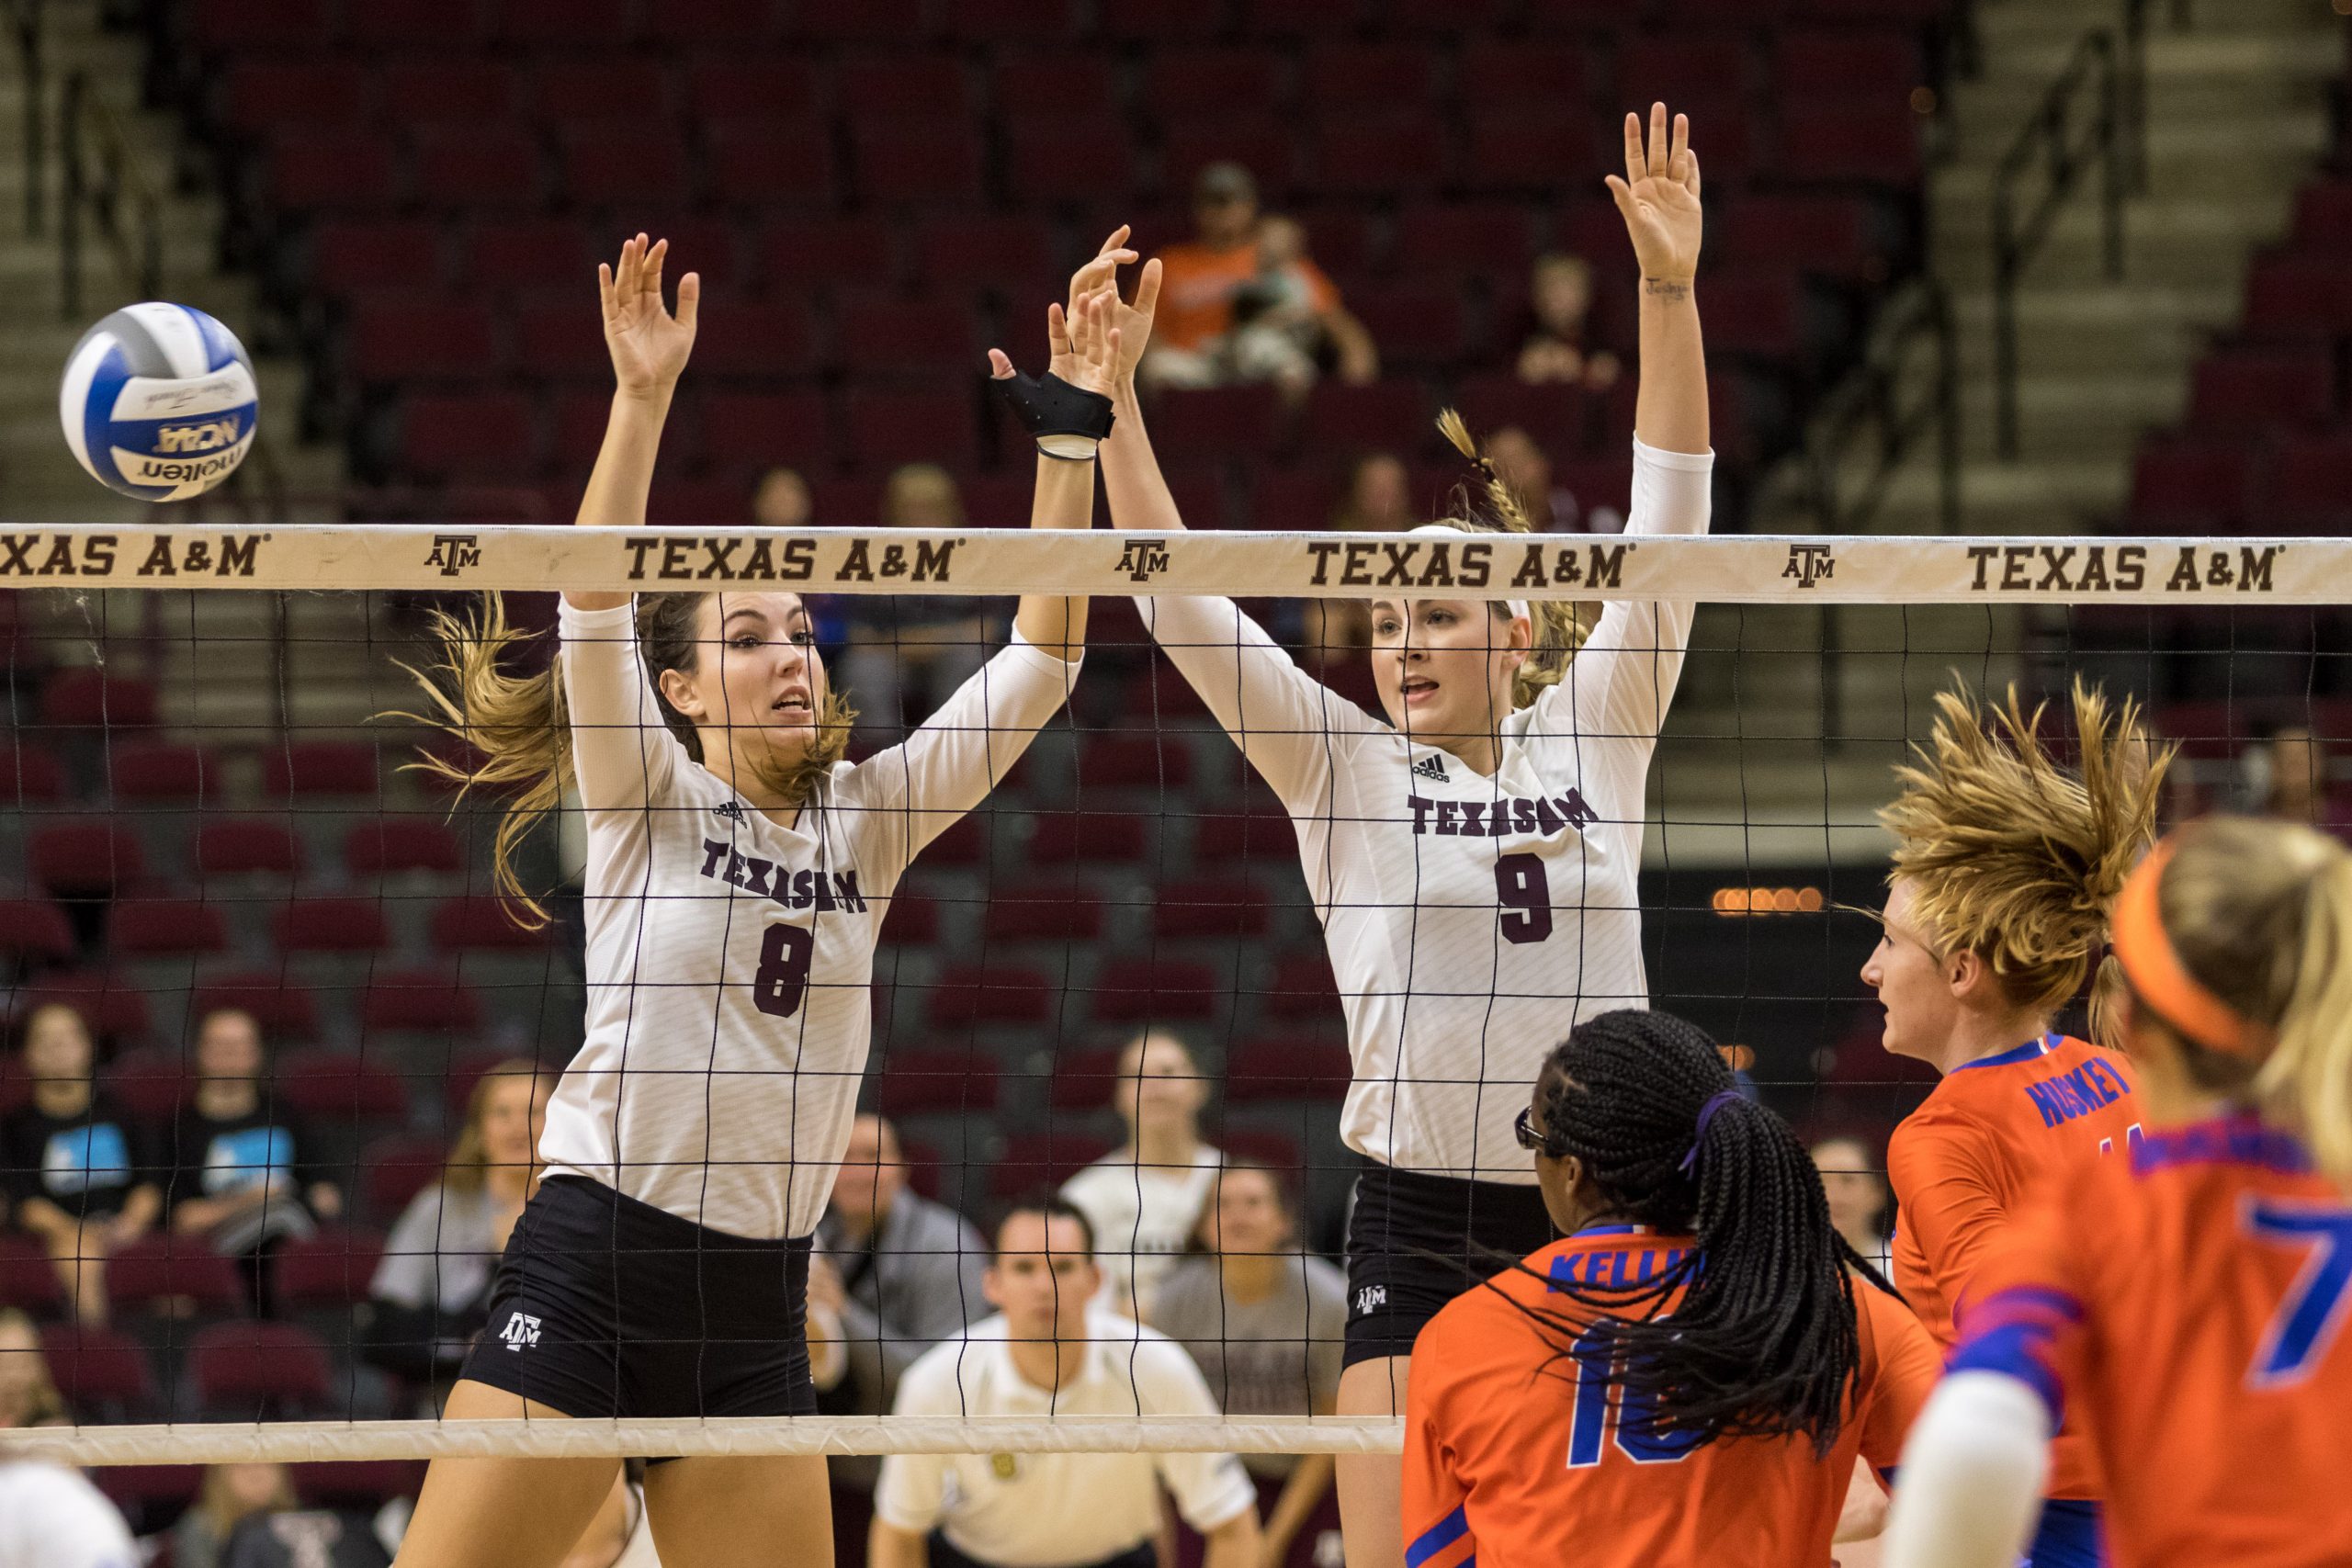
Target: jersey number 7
x: 2317, y: 1303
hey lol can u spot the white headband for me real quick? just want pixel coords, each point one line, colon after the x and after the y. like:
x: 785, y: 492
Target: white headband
x: 1518, y: 607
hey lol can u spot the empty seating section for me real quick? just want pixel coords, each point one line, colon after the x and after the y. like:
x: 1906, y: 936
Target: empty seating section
x: 873, y: 193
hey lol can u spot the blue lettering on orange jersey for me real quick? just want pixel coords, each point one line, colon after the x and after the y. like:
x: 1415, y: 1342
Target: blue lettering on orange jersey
x: 2184, y: 1310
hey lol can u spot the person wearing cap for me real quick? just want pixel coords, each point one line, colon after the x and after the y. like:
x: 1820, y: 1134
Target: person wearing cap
x: 1225, y: 265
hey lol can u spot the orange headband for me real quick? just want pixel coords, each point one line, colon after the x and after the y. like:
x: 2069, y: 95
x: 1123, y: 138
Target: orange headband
x: 2160, y: 979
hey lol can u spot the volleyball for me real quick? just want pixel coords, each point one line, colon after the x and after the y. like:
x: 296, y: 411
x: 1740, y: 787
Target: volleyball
x: 159, y: 402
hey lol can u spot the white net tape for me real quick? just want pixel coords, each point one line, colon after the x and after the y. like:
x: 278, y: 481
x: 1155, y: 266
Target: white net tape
x: 1739, y: 569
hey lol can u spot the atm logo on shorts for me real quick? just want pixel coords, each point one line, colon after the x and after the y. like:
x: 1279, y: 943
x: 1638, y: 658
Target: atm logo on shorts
x: 1371, y: 1299
x: 521, y: 1332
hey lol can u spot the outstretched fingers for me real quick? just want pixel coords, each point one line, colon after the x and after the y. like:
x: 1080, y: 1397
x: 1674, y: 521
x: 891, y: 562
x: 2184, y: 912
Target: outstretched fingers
x: 1000, y: 366
x: 1636, y: 162
x: 1657, y: 159
x: 689, y: 299
x: 1058, y: 327
x: 1147, y: 290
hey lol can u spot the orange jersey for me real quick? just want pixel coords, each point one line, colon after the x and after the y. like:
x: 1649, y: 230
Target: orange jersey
x: 1197, y: 285
x: 2184, y: 1309
x: 1964, y: 1162
x: 1516, y: 1456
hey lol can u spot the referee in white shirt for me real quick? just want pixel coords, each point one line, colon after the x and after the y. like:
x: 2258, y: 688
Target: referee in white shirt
x: 1045, y: 1354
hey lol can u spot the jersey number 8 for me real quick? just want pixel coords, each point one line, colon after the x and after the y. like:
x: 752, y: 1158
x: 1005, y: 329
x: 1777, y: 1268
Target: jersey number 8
x: 783, y: 978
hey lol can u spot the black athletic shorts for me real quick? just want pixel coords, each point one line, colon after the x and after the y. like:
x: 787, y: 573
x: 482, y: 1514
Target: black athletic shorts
x: 1399, y: 1216
x: 604, y: 1306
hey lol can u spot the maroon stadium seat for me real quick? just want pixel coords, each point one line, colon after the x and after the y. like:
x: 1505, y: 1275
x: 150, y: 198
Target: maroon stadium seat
x: 556, y: 339
x: 2302, y: 294
x: 624, y: 165
x: 1159, y: 25
x: 1383, y: 416
x: 83, y: 859
x: 1830, y: 62
x: 151, y: 1083
x: 1259, y: 143
x: 969, y: 994
x: 1526, y: 147
x: 1360, y: 77
x: 28, y: 1282
x: 1064, y: 82
x: 484, y: 922
x: 401, y: 844
x: 1217, y: 421
x: 333, y: 1267
x: 1688, y: 71
x: 1083, y: 1080
x: 1300, y: 18
x: 1160, y: 990
x: 92, y: 698
x: 743, y: 22
x: 394, y: 1169
x: 353, y: 256
x: 1211, y: 908
x: 480, y: 437
x: 1519, y: 73
x: 1109, y: 838
x: 1033, y: 1161
x: 423, y: 89
x: 2324, y: 217
x: 1417, y: 326
x: 340, y: 1089
x: 424, y: 999
x: 879, y: 85
x: 34, y: 928
x: 525, y: 254
x: 158, y: 772
x: 1818, y: 233
x: 957, y: 253
x: 1069, y: 161
x: 1129, y: 760
x: 284, y: 1008
x: 330, y: 925
x: 1398, y: 151
x: 1051, y: 910
x: 434, y: 340
x: 2307, y: 488
x: 1867, y: 142
x: 1449, y: 18
x: 1761, y: 314
x: 114, y: 1006
x: 1258, y: 833
x: 886, y: 428
x: 758, y: 429
x: 1009, y: 21
x: 488, y: 163
x: 1184, y: 84
x: 1302, y: 987
x: 2188, y: 486
x: 345, y: 170
x: 1550, y: 411
x: 762, y: 339
x: 30, y: 775
x: 1286, y: 1067
x: 2245, y: 390
x: 926, y: 1083
x: 147, y: 927
x: 1460, y: 240
x: 729, y: 85
x: 915, y: 161
x: 563, y: 23
x: 102, y: 1372
x: 824, y: 253
x: 291, y: 24
x: 910, y: 919
x: 281, y: 95
x: 762, y: 164
x: 155, y: 1269
x: 261, y: 1370
x: 238, y: 846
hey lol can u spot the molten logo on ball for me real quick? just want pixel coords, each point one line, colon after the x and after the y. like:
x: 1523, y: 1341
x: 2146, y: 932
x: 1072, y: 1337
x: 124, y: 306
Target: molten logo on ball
x: 159, y: 403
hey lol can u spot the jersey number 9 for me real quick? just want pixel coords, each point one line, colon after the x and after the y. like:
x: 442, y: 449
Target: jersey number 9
x: 1525, y: 894
x: 782, y: 978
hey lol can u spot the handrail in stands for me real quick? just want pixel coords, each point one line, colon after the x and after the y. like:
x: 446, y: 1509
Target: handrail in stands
x: 102, y: 186
x: 1874, y: 403
x: 24, y: 19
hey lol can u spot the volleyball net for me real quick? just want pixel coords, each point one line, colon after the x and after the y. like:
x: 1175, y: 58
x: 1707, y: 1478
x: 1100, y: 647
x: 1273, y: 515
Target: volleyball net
x: 205, y: 818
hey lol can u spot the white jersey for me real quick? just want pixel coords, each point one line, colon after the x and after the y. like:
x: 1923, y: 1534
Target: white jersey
x: 730, y: 957
x: 1471, y: 921
x: 52, y: 1517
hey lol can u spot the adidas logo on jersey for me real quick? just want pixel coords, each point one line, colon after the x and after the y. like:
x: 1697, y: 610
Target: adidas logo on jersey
x: 732, y: 812
x: 1431, y: 768
x: 521, y: 1330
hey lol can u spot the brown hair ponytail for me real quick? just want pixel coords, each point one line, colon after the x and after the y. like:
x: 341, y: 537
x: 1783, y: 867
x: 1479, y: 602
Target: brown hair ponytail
x: 1552, y: 623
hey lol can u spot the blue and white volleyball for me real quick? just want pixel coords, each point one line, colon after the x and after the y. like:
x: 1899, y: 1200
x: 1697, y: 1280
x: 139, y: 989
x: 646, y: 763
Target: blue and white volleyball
x: 159, y: 403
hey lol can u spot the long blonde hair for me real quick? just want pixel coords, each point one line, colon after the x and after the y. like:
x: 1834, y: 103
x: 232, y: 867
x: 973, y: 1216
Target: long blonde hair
x: 1556, y: 631
x: 2011, y: 855
x: 2260, y: 913
x: 517, y: 729
x: 467, y: 1166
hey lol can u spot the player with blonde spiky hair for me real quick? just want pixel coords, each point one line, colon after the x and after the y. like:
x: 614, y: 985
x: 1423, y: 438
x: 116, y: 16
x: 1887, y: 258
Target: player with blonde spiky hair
x: 2006, y: 865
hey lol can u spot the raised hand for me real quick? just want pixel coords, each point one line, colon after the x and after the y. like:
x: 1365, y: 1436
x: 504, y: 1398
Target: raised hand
x: 1085, y: 346
x: 648, y: 344
x: 1132, y: 321
x: 1660, y: 200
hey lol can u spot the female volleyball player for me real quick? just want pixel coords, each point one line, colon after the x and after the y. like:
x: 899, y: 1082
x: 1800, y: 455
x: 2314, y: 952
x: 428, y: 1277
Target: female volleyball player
x: 2005, y: 865
x: 737, y: 870
x: 1474, y: 859
x: 2184, y: 1306
x: 1690, y: 1377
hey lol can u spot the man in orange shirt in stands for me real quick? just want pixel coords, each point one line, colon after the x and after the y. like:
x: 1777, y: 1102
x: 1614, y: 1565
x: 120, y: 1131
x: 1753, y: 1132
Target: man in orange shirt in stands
x: 1202, y: 279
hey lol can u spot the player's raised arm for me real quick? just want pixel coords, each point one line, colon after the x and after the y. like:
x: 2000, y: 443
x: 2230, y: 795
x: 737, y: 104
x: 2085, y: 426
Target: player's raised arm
x: 1659, y: 198
x: 1067, y: 413
x: 648, y: 346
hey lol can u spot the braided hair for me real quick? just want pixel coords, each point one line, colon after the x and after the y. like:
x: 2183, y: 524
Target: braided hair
x: 1763, y: 1341
x: 1556, y: 631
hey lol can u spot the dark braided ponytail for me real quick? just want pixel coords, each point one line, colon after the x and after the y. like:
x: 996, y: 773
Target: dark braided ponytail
x: 1763, y: 1341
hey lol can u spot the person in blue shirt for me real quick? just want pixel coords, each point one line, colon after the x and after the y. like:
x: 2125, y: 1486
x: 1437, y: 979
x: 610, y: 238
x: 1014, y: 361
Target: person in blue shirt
x: 79, y: 1174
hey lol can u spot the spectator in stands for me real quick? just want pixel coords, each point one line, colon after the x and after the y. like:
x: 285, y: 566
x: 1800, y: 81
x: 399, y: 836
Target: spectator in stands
x: 1858, y: 1196
x: 430, y: 1293
x: 1552, y: 506
x: 230, y: 1495
x: 80, y: 1173
x: 1379, y: 500
x: 1046, y: 1353
x: 781, y: 500
x: 244, y: 1174
x: 1556, y: 338
x: 1284, y: 323
x: 28, y: 1396
x: 1228, y: 268
x: 921, y: 646
x: 1142, y: 1199
x: 2298, y: 787
x: 1265, y: 1321
x: 901, y: 1273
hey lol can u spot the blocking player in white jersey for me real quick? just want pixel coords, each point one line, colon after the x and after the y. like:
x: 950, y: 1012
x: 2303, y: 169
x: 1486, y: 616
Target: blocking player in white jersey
x: 738, y: 870
x: 1475, y: 859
